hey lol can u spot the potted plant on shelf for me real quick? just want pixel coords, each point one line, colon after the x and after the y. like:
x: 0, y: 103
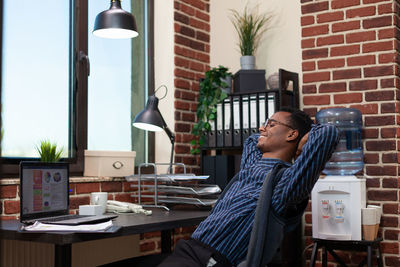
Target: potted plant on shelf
x: 48, y: 151
x: 212, y: 92
x: 249, y: 27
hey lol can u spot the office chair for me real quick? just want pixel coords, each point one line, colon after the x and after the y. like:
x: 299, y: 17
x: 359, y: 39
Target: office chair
x: 269, y: 228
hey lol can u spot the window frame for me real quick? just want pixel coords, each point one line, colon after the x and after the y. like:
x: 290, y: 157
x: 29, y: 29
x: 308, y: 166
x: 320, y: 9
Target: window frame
x: 78, y: 91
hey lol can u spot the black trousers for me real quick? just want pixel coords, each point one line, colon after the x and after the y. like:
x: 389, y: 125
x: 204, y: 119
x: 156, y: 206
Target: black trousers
x: 193, y: 253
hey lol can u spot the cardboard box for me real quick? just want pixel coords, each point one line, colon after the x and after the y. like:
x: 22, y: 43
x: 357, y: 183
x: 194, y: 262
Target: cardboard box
x: 109, y: 163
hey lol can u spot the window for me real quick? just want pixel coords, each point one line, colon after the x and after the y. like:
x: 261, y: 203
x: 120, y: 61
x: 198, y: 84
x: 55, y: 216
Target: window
x: 46, y: 92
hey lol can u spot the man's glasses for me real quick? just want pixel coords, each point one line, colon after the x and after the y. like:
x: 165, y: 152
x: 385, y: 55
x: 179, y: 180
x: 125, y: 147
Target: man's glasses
x: 269, y: 121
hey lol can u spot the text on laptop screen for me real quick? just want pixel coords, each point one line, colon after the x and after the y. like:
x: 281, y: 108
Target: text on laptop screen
x: 45, y: 189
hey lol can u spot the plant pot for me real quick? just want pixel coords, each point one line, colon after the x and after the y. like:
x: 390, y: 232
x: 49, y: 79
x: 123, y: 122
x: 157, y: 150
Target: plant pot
x: 247, y: 62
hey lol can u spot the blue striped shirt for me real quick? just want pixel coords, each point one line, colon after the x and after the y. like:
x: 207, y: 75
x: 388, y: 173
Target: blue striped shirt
x: 228, y: 227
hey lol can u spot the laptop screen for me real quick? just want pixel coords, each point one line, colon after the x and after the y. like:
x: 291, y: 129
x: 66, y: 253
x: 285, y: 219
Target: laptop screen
x: 44, y: 189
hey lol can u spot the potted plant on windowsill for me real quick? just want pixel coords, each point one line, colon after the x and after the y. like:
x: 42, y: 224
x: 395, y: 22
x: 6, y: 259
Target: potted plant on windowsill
x: 48, y: 151
x: 212, y: 92
x: 249, y: 27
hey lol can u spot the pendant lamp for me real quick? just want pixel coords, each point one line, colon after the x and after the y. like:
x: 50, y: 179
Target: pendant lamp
x: 115, y: 23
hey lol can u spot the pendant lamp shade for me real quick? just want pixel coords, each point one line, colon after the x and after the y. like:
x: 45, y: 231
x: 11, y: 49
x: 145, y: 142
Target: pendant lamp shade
x: 115, y: 23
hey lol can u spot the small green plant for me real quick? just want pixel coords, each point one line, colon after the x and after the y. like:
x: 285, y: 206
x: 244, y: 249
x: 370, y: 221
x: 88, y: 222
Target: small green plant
x: 48, y: 152
x: 210, y: 95
x: 249, y: 27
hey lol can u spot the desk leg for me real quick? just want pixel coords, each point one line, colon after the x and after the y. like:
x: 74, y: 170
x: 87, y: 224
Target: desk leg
x: 314, y: 254
x: 63, y: 255
x: 369, y: 256
x: 324, y: 257
x: 166, y: 241
x: 379, y: 257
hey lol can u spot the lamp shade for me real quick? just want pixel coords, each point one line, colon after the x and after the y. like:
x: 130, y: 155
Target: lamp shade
x: 115, y: 23
x: 149, y: 118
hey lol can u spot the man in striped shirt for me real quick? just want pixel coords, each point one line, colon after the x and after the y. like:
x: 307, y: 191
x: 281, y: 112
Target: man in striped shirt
x: 223, y: 238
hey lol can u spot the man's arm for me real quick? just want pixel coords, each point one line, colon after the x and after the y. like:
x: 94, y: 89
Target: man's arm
x: 314, y: 151
x: 250, y: 151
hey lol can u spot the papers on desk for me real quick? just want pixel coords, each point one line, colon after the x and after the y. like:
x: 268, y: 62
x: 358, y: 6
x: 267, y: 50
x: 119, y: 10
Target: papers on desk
x: 167, y: 177
x: 98, y: 227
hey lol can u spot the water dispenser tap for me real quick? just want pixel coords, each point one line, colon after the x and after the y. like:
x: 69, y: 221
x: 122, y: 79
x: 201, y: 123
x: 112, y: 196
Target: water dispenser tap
x: 339, y: 211
x: 325, y: 209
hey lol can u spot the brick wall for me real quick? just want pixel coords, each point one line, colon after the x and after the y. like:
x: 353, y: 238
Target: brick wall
x: 350, y: 58
x: 192, y: 59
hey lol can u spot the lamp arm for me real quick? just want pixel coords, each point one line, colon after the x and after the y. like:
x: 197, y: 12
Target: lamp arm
x: 172, y: 139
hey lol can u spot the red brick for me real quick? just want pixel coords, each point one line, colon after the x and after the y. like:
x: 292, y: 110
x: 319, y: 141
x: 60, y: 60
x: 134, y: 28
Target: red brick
x: 389, y: 183
x: 76, y: 201
x: 366, y: 108
x: 387, y: 58
x: 182, y: 84
x: 379, y: 120
x: 331, y: 16
x: 382, y: 195
x: 84, y: 188
x: 111, y: 186
x: 379, y: 96
x: 181, y: 62
x: 378, y: 71
x: 336, y: 4
x: 347, y: 98
x: 182, y: 127
x: 388, y: 132
x: 346, y: 74
x: 199, y: 24
x: 182, y: 105
x: 315, y: 53
x: 308, y: 43
x: 358, y: 37
x: 201, y: 36
x: 202, y: 57
x: 316, y: 77
x: 195, y: 3
x: 331, y: 63
x: 310, y: 111
x: 361, y: 12
x: 345, y: 26
x: 388, y: 108
x: 316, y: 100
x: 332, y: 87
x: 390, y: 248
x: 125, y: 197
x: 370, y: 158
x: 386, y: 33
x: 392, y: 261
x: 361, y: 60
x: 181, y: 18
x: 385, y: 9
x: 380, y: 145
x: 344, y: 50
x: 183, y: 51
x: 308, y: 66
x: 314, y: 30
x: 389, y: 208
x: 188, y: 96
x: 309, y: 89
x: 148, y: 246
x: 378, y: 46
x: 388, y: 221
x: 307, y: 20
x: 373, y: 183
x: 181, y: 149
x: 186, y: 9
x: 11, y: 206
x: 388, y: 83
x: 314, y: 7
x: 8, y: 191
x: 381, y: 21
x: 392, y: 235
x: 370, y: 133
x: 363, y: 85
x: 330, y: 40
x: 183, y: 73
x: 188, y: 117
x: 203, y: 16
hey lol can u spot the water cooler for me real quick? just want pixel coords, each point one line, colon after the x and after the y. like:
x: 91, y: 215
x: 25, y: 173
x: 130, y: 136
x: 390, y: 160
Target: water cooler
x: 338, y: 197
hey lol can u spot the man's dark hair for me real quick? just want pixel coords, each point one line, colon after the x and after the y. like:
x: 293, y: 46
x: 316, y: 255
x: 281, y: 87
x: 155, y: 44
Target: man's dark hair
x: 299, y: 120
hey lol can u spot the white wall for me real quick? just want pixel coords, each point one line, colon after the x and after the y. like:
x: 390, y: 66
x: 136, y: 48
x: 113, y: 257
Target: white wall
x: 279, y: 47
x: 164, y: 72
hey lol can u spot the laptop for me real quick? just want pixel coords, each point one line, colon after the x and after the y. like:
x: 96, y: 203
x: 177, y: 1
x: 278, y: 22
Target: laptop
x: 44, y: 195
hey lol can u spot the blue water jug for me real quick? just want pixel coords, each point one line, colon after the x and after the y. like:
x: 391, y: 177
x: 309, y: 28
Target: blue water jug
x: 348, y: 157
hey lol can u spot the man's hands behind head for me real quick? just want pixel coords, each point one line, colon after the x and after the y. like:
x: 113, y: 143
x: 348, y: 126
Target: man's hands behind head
x: 302, y: 142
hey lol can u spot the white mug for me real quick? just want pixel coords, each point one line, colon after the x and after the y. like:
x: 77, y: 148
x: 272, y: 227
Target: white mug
x: 99, y: 198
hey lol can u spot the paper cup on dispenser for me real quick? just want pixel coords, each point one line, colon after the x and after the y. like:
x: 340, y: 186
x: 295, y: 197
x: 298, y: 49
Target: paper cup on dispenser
x: 368, y: 218
x: 378, y: 217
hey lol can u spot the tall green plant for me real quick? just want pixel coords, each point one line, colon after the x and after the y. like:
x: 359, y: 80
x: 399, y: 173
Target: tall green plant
x: 48, y: 152
x: 210, y: 95
x: 249, y: 27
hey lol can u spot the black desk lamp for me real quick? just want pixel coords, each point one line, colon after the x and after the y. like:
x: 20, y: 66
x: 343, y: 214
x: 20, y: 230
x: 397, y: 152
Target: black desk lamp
x: 150, y: 119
